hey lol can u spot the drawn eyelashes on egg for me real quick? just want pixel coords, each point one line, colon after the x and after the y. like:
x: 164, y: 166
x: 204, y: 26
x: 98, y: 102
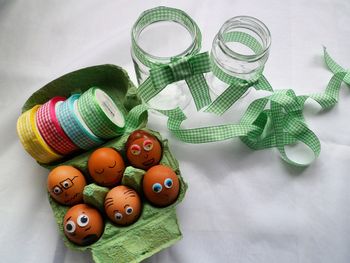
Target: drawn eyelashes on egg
x: 101, y: 171
x: 115, y: 163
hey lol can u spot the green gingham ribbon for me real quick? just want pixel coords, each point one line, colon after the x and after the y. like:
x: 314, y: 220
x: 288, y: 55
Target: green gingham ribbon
x: 135, y: 119
x: 190, y: 67
x: 158, y: 14
x: 279, y: 125
x: 237, y: 87
x: 259, y: 128
x: 95, y: 118
x: 334, y: 66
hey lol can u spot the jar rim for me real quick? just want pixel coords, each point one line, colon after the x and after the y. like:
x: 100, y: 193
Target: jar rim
x: 250, y: 23
x: 165, y: 14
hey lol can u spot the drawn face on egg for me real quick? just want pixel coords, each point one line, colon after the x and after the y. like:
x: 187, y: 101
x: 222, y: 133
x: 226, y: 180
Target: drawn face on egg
x: 83, y: 224
x: 106, y: 166
x: 122, y: 205
x: 143, y: 150
x: 161, y: 185
x: 66, y: 185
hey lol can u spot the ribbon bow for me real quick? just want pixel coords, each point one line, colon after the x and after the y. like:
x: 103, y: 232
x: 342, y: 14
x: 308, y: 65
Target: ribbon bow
x: 190, y: 68
x: 236, y: 86
x: 279, y: 125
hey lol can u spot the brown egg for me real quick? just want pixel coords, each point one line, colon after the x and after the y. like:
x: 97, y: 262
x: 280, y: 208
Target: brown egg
x: 143, y: 150
x: 122, y: 205
x: 161, y: 185
x: 83, y: 224
x: 106, y: 166
x: 66, y: 185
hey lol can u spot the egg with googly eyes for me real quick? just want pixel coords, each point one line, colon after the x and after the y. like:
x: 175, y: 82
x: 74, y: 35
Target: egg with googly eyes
x: 122, y: 205
x: 83, y: 224
x: 143, y: 150
x: 106, y: 166
x: 66, y: 185
x: 161, y: 185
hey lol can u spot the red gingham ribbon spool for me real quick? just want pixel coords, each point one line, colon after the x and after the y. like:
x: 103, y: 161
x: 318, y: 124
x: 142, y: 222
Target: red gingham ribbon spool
x: 51, y: 130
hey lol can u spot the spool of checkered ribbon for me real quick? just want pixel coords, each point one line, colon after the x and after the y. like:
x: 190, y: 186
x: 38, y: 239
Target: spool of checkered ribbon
x: 51, y: 130
x: 101, y: 114
x: 59, y: 116
x: 31, y: 139
x: 73, y: 126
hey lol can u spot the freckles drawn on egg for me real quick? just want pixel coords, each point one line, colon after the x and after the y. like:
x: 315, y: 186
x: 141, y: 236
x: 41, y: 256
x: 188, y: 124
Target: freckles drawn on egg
x: 63, y: 186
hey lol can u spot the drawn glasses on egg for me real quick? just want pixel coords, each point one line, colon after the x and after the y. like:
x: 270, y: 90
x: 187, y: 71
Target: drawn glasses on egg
x: 64, y: 185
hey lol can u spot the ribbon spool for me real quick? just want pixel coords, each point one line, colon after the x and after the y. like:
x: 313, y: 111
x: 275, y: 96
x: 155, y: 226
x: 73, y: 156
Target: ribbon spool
x: 31, y: 139
x: 51, y: 130
x: 74, y: 126
x: 101, y: 115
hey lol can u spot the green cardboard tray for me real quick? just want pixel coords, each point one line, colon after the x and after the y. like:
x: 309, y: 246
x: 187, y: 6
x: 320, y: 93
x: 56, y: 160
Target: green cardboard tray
x: 157, y: 228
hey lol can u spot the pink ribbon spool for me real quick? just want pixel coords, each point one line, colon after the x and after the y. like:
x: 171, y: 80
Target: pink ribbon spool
x: 51, y: 130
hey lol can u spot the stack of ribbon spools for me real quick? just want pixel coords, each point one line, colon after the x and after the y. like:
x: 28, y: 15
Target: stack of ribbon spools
x: 63, y: 126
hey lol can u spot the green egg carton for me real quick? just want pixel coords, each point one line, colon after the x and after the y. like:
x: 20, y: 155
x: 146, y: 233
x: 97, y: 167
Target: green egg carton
x: 157, y: 228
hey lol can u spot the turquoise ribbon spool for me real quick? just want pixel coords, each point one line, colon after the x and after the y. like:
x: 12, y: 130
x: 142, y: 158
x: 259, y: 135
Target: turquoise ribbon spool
x: 73, y: 126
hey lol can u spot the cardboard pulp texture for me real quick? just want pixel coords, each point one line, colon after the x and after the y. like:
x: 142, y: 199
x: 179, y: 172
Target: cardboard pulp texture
x: 157, y: 228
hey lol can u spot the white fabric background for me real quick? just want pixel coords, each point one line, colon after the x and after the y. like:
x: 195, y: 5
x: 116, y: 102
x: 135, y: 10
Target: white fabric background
x: 242, y: 205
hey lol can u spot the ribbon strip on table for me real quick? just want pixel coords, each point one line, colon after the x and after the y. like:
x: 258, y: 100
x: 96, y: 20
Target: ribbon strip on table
x: 189, y: 68
x: 260, y: 128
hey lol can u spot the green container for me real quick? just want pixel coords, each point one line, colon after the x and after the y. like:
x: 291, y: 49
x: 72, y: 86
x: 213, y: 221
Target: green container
x: 157, y: 228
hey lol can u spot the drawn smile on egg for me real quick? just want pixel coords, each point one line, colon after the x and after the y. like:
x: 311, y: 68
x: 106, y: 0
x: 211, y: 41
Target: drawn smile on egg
x: 71, y: 199
x: 148, y: 162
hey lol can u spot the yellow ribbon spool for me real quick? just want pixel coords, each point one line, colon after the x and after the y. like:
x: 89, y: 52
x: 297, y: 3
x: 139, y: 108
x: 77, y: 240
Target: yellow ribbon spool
x: 31, y: 139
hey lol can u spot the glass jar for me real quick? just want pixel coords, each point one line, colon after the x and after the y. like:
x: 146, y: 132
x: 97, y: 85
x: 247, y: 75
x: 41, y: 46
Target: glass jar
x: 160, y: 35
x: 240, y: 49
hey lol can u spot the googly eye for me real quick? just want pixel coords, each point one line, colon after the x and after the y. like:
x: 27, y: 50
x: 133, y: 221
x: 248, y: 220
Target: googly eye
x: 70, y: 227
x: 148, y: 145
x: 129, y: 210
x: 168, y: 183
x: 83, y: 220
x: 118, y: 216
x: 65, y: 184
x: 57, y: 190
x: 135, y: 149
x: 157, y: 188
